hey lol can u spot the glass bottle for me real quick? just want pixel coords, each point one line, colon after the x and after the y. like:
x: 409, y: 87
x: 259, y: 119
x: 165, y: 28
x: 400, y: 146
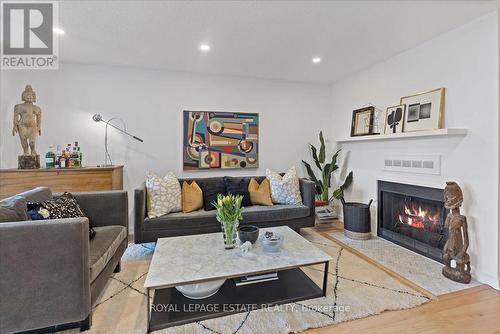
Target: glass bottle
x: 58, y: 156
x: 50, y: 158
x: 63, y: 163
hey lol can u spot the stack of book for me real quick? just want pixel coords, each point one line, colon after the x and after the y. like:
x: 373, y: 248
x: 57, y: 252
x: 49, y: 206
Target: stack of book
x: 325, y: 213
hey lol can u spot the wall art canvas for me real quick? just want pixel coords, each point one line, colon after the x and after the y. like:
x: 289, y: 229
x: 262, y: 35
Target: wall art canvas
x: 214, y: 139
x: 424, y: 111
x: 394, y: 119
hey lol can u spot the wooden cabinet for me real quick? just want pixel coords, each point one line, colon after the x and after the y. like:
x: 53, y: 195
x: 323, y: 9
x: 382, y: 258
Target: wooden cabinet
x: 13, y: 181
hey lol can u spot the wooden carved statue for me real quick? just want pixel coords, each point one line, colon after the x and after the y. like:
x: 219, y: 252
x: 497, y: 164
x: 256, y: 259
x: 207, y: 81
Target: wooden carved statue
x: 455, y: 248
x: 27, y: 122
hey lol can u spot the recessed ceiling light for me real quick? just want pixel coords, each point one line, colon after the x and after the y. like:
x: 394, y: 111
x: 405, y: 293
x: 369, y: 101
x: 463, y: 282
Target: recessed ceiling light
x: 205, y: 47
x: 316, y: 60
x: 58, y: 31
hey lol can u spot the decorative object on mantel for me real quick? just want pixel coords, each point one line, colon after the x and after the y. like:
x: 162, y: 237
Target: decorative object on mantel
x: 229, y: 214
x: 214, y: 139
x: 327, y: 169
x: 98, y: 118
x: 363, y: 121
x: 357, y: 220
x: 28, y: 124
x: 424, y: 110
x: 394, y: 119
x: 455, y: 248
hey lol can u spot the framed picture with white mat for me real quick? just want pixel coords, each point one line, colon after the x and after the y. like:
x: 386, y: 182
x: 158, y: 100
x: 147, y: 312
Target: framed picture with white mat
x: 424, y: 111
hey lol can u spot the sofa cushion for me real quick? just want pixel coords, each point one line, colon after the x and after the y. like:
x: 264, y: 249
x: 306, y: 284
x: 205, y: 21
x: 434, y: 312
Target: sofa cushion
x: 238, y: 186
x: 252, y: 214
x: 210, y: 190
x: 163, y: 194
x: 285, y: 189
x: 277, y: 212
x: 192, y: 197
x: 64, y: 206
x: 103, y: 247
x: 260, y: 194
x: 14, y: 208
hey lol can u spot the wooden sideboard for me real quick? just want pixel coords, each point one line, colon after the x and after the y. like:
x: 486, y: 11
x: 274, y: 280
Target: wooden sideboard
x: 13, y: 181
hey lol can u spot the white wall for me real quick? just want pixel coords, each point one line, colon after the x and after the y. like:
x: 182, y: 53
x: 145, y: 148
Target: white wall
x: 464, y: 61
x: 151, y: 104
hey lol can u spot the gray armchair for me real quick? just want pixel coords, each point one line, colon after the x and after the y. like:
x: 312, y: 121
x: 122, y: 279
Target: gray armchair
x: 50, y: 274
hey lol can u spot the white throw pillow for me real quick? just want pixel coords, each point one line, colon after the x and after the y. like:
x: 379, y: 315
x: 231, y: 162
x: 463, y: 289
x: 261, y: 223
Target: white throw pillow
x: 286, y: 189
x: 164, y: 195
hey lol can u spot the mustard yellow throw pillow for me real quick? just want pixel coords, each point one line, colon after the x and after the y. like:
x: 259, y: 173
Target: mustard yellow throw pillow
x: 192, y: 197
x: 260, y: 194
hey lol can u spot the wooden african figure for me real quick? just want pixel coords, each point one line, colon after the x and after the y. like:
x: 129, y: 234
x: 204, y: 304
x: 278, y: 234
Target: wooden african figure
x: 27, y: 123
x: 456, y: 246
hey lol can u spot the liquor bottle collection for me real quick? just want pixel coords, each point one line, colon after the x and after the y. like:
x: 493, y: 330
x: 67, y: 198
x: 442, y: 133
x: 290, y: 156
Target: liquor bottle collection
x: 69, y: 157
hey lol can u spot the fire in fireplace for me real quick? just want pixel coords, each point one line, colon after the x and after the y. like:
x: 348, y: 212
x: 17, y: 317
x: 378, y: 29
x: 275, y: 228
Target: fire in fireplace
x: 413, y: 217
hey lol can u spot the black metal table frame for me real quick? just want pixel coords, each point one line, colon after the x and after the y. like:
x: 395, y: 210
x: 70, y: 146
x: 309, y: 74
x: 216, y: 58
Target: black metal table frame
x: 324, y: 289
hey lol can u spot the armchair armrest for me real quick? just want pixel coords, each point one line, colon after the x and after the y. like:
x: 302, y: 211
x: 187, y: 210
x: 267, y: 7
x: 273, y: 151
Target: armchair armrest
x: 104, y: 208
x: 44, y: 273
x: 308, y: 192
x: 139, y: 213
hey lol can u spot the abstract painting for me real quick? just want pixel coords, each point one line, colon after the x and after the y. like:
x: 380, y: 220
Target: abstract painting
x: 214, y: 139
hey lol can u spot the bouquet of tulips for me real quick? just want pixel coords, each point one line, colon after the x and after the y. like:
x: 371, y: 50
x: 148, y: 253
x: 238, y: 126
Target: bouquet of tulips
x: 229, y: 214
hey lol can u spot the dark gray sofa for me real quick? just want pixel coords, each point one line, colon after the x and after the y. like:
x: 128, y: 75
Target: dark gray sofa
x: 201, y: 221
x: 50, y: 273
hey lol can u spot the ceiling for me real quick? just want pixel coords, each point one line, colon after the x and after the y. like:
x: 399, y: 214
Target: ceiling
x: 265, y: 39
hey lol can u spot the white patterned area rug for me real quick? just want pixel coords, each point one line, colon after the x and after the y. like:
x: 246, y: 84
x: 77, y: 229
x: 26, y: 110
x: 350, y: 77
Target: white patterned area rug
x: 357, y: 289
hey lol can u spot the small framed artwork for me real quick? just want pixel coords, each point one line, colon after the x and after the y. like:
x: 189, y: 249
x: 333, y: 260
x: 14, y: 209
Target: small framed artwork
x: 394, y: 119
x: 362, y: 121
x: 424, y: 111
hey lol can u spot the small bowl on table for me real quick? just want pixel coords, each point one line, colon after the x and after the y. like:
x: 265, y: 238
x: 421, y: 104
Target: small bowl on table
x: 271, y: 242
x: 248, y: 233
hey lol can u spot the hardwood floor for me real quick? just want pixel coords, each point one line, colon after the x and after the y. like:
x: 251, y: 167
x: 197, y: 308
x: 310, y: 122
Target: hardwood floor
x: 474, y: 310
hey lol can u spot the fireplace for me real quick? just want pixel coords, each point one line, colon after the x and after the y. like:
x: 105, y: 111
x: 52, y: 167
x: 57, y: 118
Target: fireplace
x: 413, y: 217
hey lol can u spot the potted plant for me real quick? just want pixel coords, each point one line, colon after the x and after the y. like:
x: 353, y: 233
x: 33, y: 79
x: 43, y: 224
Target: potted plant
x: 323, y: 183
x: 229, y: 214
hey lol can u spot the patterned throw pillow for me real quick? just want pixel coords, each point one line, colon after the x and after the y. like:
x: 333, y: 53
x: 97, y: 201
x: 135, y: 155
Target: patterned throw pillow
x: 163, y: 194
x: 64, y: 206
x: 286, y: 189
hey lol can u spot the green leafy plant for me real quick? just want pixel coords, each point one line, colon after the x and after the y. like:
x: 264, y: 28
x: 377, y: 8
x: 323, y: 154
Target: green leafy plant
x: 323, y: 183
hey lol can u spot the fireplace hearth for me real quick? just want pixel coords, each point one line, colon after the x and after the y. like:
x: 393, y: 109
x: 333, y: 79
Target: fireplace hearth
x: 413, y: 217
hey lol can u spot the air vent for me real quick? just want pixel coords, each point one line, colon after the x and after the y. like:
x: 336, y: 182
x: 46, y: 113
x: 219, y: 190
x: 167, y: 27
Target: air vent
x: 423, y: 164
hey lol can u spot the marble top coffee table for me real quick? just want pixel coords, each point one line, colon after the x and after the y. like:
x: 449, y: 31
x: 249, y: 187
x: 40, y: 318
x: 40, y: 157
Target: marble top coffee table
x: 202, y: 258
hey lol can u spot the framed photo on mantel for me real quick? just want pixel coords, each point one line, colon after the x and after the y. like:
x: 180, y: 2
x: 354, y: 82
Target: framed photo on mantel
x: 363, y: 121
x: 424, y: 111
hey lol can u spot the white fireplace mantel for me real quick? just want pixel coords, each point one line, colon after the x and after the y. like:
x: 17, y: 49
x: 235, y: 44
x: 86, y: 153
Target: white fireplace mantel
x: 407, y: 135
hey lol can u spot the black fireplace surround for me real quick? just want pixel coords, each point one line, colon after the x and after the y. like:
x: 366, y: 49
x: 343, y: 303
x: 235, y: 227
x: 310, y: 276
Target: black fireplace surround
x: 413, y: 217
